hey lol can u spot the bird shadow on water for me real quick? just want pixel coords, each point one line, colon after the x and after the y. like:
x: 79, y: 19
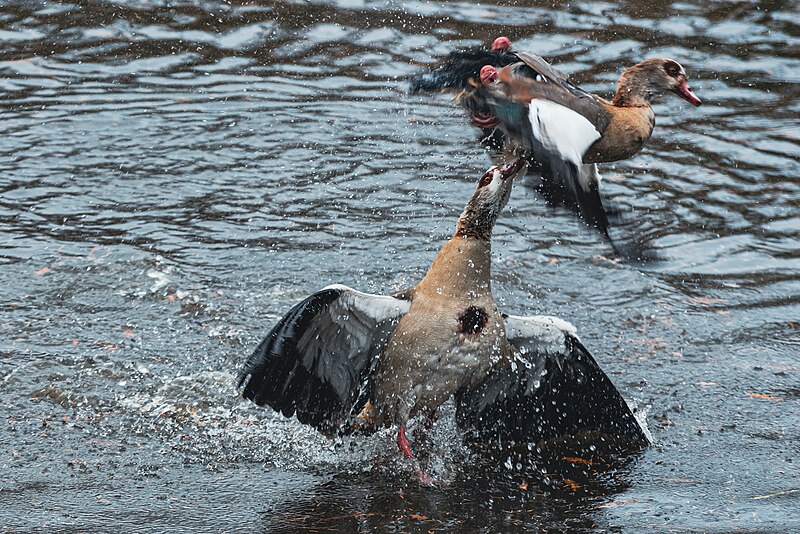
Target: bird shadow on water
x: 560, y: 484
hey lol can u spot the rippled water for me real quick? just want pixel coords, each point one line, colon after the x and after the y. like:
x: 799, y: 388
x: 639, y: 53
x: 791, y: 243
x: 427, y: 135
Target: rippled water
x: 174, y: 175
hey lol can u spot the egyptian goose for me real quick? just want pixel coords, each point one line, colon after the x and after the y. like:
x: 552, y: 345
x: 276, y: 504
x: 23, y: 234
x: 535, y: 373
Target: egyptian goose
x: 520, y: 97
x: 341, y: 356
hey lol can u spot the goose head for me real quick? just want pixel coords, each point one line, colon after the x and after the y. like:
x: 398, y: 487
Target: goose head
x: 488, y: 200
x: 652, y: 78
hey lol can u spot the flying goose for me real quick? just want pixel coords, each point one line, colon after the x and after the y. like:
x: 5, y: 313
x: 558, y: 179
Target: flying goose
x: 341, y: 355
x: 522, y: 103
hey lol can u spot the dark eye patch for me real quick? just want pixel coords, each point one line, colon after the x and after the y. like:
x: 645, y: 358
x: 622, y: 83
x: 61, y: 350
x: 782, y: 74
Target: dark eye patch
x: 486, y: 179
x: 672, y: 69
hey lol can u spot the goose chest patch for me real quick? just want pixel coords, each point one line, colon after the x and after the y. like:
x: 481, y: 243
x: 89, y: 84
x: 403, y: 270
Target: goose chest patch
x: 472, y: 320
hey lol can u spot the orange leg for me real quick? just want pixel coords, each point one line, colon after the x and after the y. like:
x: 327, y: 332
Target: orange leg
x: 402, y: 442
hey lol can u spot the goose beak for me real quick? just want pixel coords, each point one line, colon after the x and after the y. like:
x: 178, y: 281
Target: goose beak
x: 686, y: 93
x: 511, y: 169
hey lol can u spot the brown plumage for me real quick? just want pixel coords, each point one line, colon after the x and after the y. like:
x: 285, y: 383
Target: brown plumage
x: 626, y: 134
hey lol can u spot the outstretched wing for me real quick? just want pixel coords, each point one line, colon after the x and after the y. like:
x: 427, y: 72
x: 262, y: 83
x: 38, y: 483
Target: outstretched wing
x: 316, y: 360
x: 551, y: 388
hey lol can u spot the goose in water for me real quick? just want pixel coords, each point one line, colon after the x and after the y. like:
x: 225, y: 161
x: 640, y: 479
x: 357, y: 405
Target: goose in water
x: 522, y: 103
x: 342, y: 356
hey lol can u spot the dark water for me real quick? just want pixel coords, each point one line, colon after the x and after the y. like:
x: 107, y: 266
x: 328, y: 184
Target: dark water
x: 175, y: 174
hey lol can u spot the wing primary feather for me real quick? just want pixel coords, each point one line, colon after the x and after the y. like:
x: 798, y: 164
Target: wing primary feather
x: 316, y: 361
x: 590, y: 204
x: 563, y: 392
x: 458, y: 67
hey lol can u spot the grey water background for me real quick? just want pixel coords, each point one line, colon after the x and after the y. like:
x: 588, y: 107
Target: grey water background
x: 174, y: 175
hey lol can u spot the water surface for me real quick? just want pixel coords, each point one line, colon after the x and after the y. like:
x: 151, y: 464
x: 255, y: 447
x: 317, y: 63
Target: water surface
x: 174, y: 175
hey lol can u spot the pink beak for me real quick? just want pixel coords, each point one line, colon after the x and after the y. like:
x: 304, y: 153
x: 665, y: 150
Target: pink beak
x: 683, y: 91
x: 488, y: 74
x: 508, y: 169
x: 501, y: 44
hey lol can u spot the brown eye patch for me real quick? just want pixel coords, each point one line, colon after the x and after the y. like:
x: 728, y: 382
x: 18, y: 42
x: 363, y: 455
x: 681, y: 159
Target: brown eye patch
x: 486, y: 179
x: 672, y: 69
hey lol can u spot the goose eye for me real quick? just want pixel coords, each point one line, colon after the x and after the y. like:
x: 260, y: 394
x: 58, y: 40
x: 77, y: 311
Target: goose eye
x: 672, y: 69
x: 487, y: 178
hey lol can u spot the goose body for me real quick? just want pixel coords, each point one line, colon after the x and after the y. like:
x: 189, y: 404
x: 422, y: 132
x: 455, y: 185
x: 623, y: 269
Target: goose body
x: 626, y: 134
x: 448, y: 340
x: 341, y: 358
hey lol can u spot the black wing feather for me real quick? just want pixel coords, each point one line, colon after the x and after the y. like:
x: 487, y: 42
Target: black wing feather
x: 311, y: 367
x: 561, y: 179
x: 457, y: 68
x: 556, y: 396
x: 274, y: 374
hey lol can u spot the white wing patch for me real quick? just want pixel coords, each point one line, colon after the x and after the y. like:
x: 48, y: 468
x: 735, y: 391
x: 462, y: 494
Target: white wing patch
x: 562, y: 130
x: 541, y: 333
x: 376, y: 307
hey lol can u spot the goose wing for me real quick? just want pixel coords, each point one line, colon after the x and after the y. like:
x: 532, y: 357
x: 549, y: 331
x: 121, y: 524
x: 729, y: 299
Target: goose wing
x: 551, y: 387
x: 315, y: 362
x: 558, y: 123
x: 540, y: 66
x: 540, y: 111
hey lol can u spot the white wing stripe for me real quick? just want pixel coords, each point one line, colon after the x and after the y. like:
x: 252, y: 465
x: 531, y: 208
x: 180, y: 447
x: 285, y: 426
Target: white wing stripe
x: 541, y: 333
x: 376, y: 307
x: 562, y: 130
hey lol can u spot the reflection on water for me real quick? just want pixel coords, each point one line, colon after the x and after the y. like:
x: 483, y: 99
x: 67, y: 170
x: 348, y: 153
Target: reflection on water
x: 174, y: 175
